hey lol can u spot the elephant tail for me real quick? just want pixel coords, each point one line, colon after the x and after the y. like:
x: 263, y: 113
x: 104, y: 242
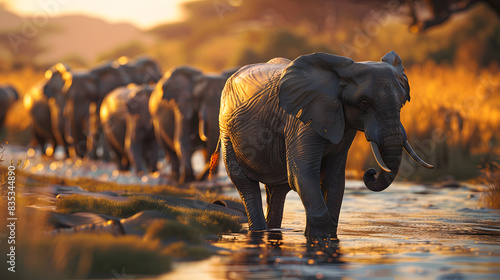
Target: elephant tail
x: 214, y: 160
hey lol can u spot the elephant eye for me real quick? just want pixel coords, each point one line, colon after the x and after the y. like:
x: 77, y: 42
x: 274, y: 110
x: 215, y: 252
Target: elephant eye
x: 364, y: 102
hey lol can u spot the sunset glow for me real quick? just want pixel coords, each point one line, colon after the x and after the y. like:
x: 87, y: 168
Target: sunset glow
x: 144, y: 14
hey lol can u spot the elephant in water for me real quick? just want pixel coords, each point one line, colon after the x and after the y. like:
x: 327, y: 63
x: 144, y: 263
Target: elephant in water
x: 128, y: 128
x: 185, y: 108
x: 8, y: 95
x: 45, y: 102
x: 289, y: 124
x: 86, y: 105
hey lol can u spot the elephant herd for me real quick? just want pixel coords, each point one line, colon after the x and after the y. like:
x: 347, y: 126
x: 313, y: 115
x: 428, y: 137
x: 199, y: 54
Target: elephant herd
x: 127, y: 111
x: 287, y: 124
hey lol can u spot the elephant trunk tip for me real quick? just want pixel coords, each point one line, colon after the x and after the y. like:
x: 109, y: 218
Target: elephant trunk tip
x: 369, y: 179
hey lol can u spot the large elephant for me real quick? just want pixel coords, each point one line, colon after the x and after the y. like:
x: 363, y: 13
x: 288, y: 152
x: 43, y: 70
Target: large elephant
x: 45, y: 102
x: 128, y: 127
x: 185, y: 106
x: 8, y: 95
x: 289, y: 124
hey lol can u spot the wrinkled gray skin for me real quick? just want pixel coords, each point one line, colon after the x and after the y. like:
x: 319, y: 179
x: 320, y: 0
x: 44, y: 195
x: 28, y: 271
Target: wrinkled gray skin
x: 185, y: 107
x: 128, y: 128
x: 106, y: 78
x: 290, y: 124
x: 8, y: 95
x: 46, y: 112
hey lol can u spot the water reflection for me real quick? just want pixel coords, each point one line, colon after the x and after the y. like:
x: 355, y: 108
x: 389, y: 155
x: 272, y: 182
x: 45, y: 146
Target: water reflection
x: 394, y: 236
x: 270, y: 255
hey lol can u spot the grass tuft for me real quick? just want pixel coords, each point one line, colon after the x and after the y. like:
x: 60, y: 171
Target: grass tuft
x: 208, y: 222
x: 491, y: 177
x: 80, y: 203
x: 183, y: 251
x: 169, y: 229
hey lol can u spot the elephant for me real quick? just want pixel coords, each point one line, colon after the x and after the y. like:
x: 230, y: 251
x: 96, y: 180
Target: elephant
x: 45, y: 103
x: 128, y: 127
x: 184, y: 107
x: 8, y: 95
x: 106, y: 78
x: 289, y: 125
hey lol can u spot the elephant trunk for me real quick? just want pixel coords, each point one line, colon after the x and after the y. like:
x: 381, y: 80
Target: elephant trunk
x: 389, y: 158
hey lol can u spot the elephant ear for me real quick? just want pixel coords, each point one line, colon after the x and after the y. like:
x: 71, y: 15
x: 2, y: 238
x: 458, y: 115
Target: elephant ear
x: 393, y: 59
x: 309, y: 89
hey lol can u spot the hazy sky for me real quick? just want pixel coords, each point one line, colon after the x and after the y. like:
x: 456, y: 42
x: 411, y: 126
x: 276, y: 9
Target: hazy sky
x: 143, y: 13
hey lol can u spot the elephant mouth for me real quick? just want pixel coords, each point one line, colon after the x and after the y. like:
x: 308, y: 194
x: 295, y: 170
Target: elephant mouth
x: 389, y: 159
x: 408, y: 148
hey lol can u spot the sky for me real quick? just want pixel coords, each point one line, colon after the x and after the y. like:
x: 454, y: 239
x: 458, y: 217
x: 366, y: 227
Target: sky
x: 142, y: 13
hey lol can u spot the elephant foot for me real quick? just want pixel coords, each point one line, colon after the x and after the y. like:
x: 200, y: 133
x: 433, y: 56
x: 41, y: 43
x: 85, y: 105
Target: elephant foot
x: 319, y: 228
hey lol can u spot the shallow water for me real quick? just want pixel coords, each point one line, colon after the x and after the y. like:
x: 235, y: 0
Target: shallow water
x: 406, y: 232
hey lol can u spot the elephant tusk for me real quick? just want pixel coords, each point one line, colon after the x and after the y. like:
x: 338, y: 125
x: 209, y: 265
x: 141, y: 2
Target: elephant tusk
x: 378, y: 157
x: 415, y: 157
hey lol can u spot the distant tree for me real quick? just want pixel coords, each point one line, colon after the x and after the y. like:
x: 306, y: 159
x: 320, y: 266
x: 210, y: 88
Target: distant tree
x: 439, y: 10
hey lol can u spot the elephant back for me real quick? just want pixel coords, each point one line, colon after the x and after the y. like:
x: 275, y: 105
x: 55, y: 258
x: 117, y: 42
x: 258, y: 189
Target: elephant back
x: 115, y: 103
x: 248, y: 83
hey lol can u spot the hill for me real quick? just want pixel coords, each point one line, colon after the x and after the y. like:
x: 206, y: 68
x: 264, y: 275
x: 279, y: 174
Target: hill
x: 76, y: 37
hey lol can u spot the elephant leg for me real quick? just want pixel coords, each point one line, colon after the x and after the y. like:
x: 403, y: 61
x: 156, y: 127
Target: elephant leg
x: 66, y: 150
x: 107, y: 149
x: 136, y: 153
x: 304, y: 156
x: 275, y: 203
x: 171, y: 156
x: 91, y: 145
x: 333, y: 180
x: 40, y: 139
x: 106, y: 153
x: 164, y: 133
x: 152, y: 160
x: 333, y: 186
x: 121, y: 158
x: 184, y: 150
x: 249, y: 190
x: 80, y: 141
x: 123, y: 162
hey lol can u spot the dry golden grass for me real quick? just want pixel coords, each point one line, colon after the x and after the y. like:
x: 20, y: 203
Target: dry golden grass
x: 491, y: 177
